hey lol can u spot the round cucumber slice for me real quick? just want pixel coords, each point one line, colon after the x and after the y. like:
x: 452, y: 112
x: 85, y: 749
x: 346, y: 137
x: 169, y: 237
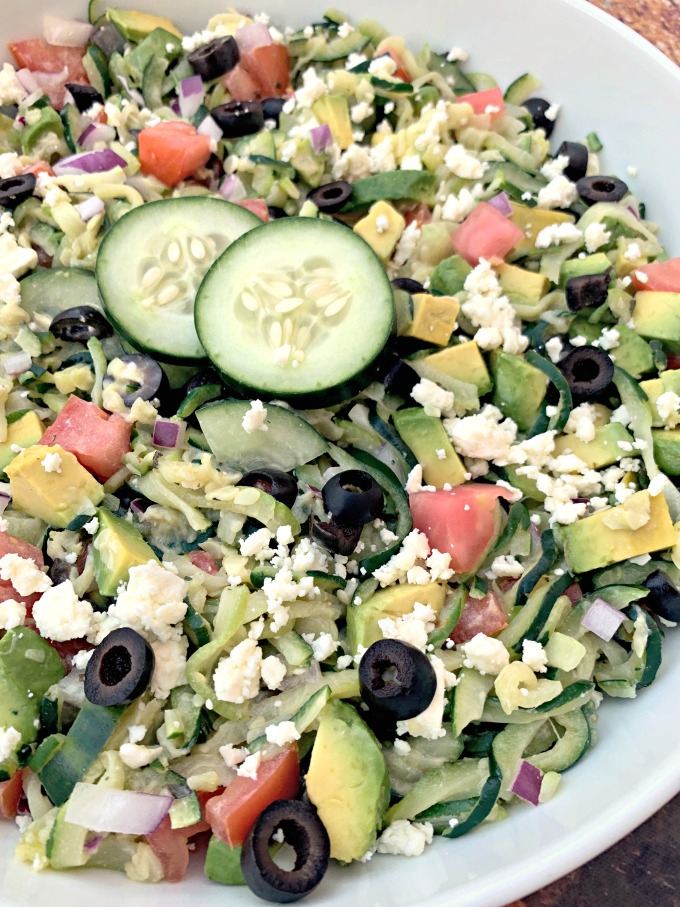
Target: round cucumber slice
x: 49, y: 291
x: 151, y: 263
x: 298, y: 309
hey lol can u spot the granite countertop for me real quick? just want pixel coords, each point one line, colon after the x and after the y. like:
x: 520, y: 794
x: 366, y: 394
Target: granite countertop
x: 642, y: 870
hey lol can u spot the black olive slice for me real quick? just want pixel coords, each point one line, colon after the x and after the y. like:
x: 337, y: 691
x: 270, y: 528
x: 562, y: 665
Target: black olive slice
x: 538, y: 107
x: 143, y: 379
x: 84, y: 96
x: 336, y: 538
x: 272, y: 107
x: 588, y: 290
x: 296, y: 824
x: 16, y: 189
x: 353, y: 497
x: 239, y: 118
x: 401, y: 378
x: 593, y: 189
x: 408, y: 284
x: 80, y: 324
x: 331, y: 197
x: 577, y: 155
x: 396, y: 678
x: 120, y: 668
x: 663, y: 598
x: 278, y: 484
x: 589, y: 372
x: 276, y: 213
x: 210, y: 61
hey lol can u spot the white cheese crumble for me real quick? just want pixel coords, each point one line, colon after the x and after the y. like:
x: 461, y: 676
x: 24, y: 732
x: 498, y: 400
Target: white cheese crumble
x: 555, y: 166
x: 557, y: 234
x: 52, y: 462
x: 457, y: 207
x: 23, y: 574
x: 533, y: 655
x: 554, y: 349
x: 11, y: 89
x: 136, y: 756
x: 464, y: 164
x: 633, y: 252
x: 237, y: 676
x: 254, y: 419
x: 151, y: 603
x: 559, y: 193
x: 581, y: 422
x: 486, y: 654
x: 353, y: 164
x: 257, y: 544
x: 404, y: 838
x: 92, y: 525
x: 457, y: 54
x: 415, y: 547
x: 433, y: 398
x: 505, y: 565
x: 282, y: 733
x: 484, y: 435
x: 323, y: 645
x: 10, y: 738
x: 273, y: 671
x: 60, y: 615
x: 170, y: 666
x: 491, y: 312
x: 248, y: 768
x: 413, y: 628
x: 12, y: 614
x: 596, y: 236
x: 668, y: 408
x: 411, y: 162
x: 429, y: 723
x: 233, y: 755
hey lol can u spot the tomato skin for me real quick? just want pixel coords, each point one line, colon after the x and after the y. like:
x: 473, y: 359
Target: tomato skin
x: 10, y: 795
x: 485, y: 233
x: 9, y: 544
x: 231, y: 814
x: 480, y: 100
x: 673, y: 362
x: 170, y: 846
x: 461, y: 522
x: 172, y: 151
x: 480, y: 615
x: 258, y: 206
x: 39, y: 56
x: 38, y: 168
x: 97, y: 439
x: 269, y: 67
x: 662, y: 276
x: 204, y: 562
x: 242, y: 86
x: 419, y: 215
x: 400, y: 72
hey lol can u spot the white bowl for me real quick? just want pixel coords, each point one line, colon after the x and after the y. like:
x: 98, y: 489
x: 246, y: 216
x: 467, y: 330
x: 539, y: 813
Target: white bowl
x: 609, y: 80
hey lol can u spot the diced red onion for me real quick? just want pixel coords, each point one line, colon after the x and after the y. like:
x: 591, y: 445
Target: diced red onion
x: 602, y: 620
x: 90, y: 162
x: 136, y: 96
x: 251, y: 36
x: 232, y: 188
x: 139, y: 505
x: 501, y: 202
x: 633, y: 210
x: 191, y: 95
x: 66, y: 32
x: 321, y: 138
x: 90, y: 208
x: 210, y: 128
x: 28, y: 80
x: 527, y: 783
x: 96, y: 132
x: 574, y: 593
x: 16, y: 363
x: 175, y: 106
x: 93, y: 845
x: 5, y: 496
x: 126, y: 812
x: 168, y: 434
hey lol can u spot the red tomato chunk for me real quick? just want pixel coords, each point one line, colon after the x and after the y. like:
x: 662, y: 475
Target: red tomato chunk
x: 172, y: 151
x: 480, y: 615
x: 488, y: 101
x: 485, y: 233
x: 10, y: 794
x: 662, y: 276
x: 40, y: 57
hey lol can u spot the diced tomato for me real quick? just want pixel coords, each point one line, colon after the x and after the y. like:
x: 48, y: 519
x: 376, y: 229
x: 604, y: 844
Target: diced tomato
x: 419, y: 215
x: 10, y: 794
x: 488, y: 101
x: 204, y: 562
x: 97, y: 439
x: 257, y: 206
x: 480, y: 615
x: 38, y: 168
x: 40, y: 57
x: 574, y: 593
x: 672, y: 362
x: 662, y: 276
x: 400, y: 72
x: 462, y: 522
x: 172, y: 151
x: 241, y: 85
x: 485, y: 233
x: 232, y: 814
x: 170, y: 846
x: 69, y: 649
x: 269, y: 67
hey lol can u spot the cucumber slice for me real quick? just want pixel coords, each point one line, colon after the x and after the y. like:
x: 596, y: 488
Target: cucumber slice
x: 151, y: 263
x: 49, y: 291
x: 288, y: 442
x: 299, y: 309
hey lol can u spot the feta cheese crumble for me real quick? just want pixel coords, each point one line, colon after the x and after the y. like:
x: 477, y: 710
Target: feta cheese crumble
x: 237, y: 676
x: 52, y: 462
x: 408, y: 839
x: 23, y: 574
x: 60, y: 615
x: 254, y: 419
x: 486, y: 654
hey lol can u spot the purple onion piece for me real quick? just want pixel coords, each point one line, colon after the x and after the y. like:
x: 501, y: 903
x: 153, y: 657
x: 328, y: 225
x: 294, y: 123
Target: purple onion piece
x: 501, y: 202
x: 16, y: 363
x: 139, y: 505
x: 89, y: 162
x: 90, y: 208
x: 321, y: 138
x: 251, y: 36
x: 5, y: 499
x: 191, y: 95
x: 527, y: 783
x: 210, y: 128
x: 602, y: 620
x: 168, y: 434
x: 232, y: 188
x: 96, y: 132
x: 104, y: 809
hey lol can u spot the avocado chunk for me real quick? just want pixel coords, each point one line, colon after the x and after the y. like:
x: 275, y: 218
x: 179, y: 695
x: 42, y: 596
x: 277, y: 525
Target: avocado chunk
x: 24, y: 432
x: 531, y: 221
x: 134, y: 25
x: 28, y: 668
x: 667, y: 450
x: 333, y: 110
x: 434, y: 318
x: 381, y: 228
x: 449, y: 276
x: 347, y: 781
x: 395, y: 601
x: 519, y: 388
x: 656, y: 316
x: 590, y: 543
x: 464, y: 362
x: 668, y: 380
x: 582, y: 267
x: 602, y: 451
x: 524, y: 289
x: 118, y: 546
x: 56, y: 497
x: 427, y: 439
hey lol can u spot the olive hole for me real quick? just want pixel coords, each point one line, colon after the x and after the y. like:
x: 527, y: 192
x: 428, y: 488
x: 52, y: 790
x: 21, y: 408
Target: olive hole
x: 586, y: 370
x: 391, y: 675
x: 333, y: 192
x: 384, y: 674
x: 116, y: 665
x: 292, y: 854
x: 604, y: 186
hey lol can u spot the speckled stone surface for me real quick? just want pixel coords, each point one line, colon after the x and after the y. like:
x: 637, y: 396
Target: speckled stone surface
x: 642, y: 870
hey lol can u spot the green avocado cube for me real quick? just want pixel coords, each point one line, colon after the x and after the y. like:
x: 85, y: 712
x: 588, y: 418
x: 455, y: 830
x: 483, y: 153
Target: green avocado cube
x: 117, y: 547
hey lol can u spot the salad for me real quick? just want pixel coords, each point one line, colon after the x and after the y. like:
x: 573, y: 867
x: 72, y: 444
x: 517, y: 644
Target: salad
x: 340, y: 428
